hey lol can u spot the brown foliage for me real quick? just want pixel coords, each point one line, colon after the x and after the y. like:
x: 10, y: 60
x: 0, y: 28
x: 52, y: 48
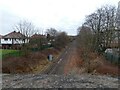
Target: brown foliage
x: 26, y: 64
x: 98, y: 64
x: 108, y: 68
x: 20, y: 64
x: 50, y: 51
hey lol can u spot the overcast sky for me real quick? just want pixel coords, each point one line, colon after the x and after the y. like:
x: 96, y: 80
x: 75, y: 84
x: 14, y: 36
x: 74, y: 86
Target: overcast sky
x: 64, y: 15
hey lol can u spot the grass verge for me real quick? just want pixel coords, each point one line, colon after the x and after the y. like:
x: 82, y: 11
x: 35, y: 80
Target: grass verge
x: 7, y: 53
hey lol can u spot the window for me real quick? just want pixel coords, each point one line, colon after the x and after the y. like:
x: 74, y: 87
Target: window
x: 6, y: 39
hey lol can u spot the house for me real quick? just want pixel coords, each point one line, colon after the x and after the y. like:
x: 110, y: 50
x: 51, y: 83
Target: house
x: 115, y: 42
x: 112, y: 41
x: 0, y: 38
x: 0, y: 41
x: 37, y: 40
x: 13, y: 40
x: 38, y: 36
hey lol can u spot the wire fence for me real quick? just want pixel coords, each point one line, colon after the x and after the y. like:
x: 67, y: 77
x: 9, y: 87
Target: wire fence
x: 113, y: 58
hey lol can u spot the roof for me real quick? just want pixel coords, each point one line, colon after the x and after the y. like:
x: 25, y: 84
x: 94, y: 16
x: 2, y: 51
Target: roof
x: 14, y: 35
x: 38, y: 36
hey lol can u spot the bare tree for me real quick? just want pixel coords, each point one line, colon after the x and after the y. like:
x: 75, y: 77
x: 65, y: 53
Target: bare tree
x: 25, y: 27
x: 85, y: 38
x: 52, y: 32
x: 58, y: 39
x: 61, y: 40
x: 102, y: 24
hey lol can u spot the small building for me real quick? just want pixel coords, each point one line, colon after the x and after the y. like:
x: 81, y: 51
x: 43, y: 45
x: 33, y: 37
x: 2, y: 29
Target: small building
x: 13, y: 40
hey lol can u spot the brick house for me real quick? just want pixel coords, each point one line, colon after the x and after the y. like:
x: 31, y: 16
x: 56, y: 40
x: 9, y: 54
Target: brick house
x: 37, y: 40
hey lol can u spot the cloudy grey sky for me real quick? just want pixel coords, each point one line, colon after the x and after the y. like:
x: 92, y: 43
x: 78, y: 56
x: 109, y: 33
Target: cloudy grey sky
x: 64, y: 15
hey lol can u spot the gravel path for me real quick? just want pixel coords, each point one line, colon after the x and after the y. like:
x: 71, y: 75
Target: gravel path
x: 59, y: 81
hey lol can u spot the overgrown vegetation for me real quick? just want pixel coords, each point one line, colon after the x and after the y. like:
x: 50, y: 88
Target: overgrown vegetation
x: 35, y: 49
x: 35, y: 62
x: 97, y: 34
x: 57, y: 39
x: 103, y: 26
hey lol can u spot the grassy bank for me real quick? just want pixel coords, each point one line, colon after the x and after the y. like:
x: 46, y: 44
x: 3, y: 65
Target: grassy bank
x: 97, y: 64
x: 35, y: 62
x: 6, y: 53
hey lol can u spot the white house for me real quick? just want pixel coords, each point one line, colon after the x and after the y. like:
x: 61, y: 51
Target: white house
x: 13, y: 39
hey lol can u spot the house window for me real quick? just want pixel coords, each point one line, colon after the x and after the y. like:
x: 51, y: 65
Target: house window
x: 15, y: 39
x: 6, y: 39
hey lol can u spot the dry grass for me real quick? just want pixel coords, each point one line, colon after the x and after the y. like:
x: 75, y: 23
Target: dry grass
x: 74, y: 63
x: 50, y: 51
x: 108, y: 68
x: 32, y: 63
x: 98, y: 64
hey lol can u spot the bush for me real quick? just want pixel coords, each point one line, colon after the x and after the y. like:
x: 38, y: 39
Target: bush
x: 23, y: 64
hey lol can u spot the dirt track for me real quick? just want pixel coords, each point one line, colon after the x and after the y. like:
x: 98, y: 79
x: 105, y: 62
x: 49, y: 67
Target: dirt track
x: 69, y: 62
x: 66, y: 63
